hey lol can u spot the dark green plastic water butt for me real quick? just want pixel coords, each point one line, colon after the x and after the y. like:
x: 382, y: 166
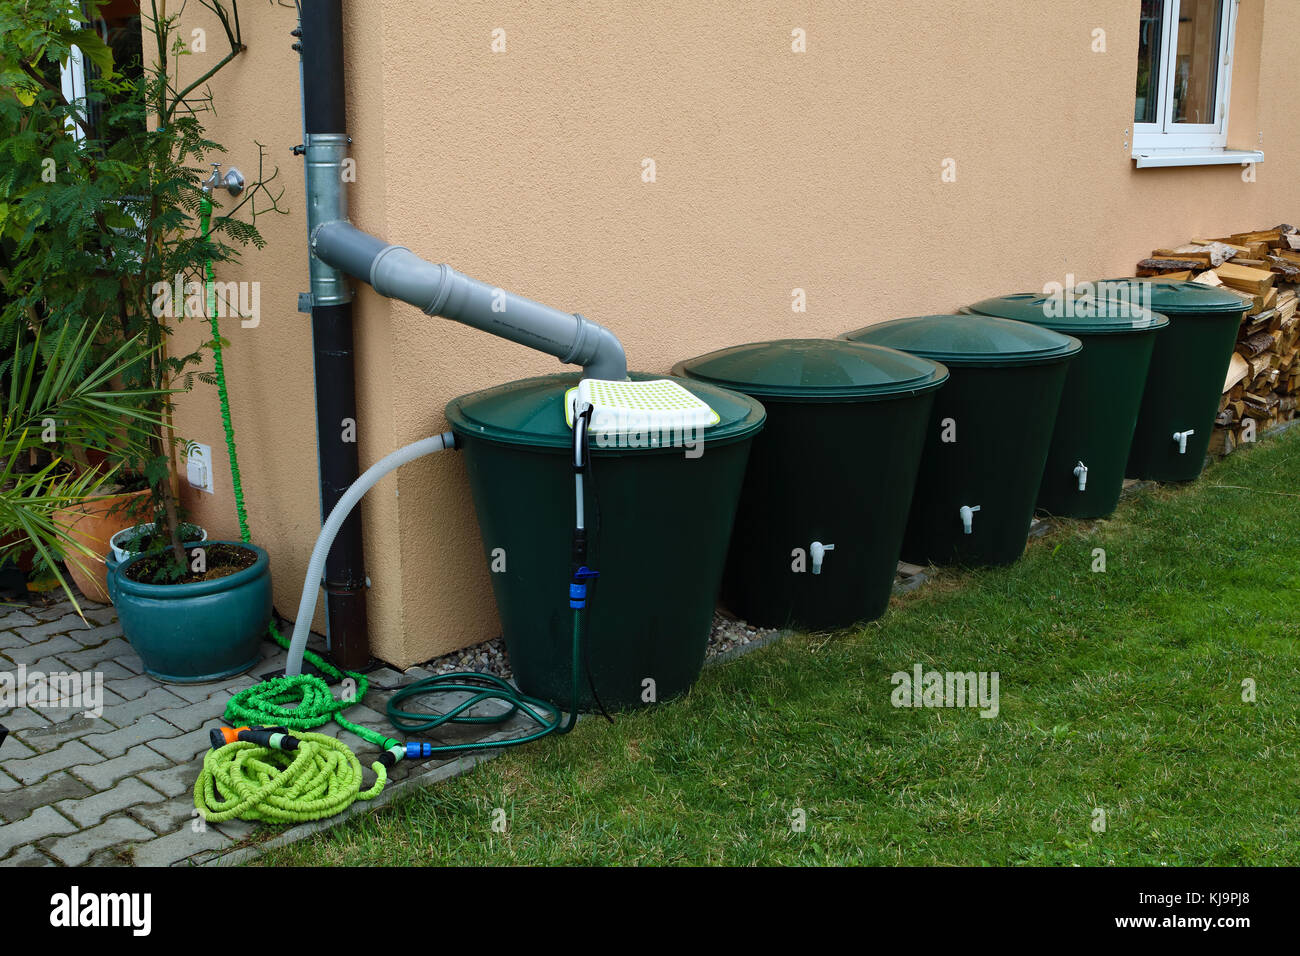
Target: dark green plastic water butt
x: 1084, y: 474
x: 825, y: 500
x: 1188, y: 367
x: 658, y: 517
x: 988, y: 434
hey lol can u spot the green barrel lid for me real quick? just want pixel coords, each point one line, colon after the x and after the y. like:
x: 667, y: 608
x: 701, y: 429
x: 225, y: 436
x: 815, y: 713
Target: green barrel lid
x: 1072, y: 314
x: 961, y: 340
x: 1171, y: 298
x: 815, y: 370
x: 532, y: 412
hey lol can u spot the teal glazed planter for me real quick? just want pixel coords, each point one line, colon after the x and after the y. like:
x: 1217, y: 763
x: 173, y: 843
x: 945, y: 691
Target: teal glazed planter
x: 204, y: 631
x: 111, y: 563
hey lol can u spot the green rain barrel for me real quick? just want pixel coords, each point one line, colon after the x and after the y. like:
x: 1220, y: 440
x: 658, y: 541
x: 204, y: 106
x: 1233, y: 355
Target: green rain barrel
x: 829, y: 482
x: 1084, y: 474
x: 1188, y: 367
x: 659, y: 512
x: 988, y: 435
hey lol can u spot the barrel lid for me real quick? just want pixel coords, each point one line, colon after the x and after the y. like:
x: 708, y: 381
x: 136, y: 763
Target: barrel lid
x: 1171, y: 298
x: 1071, y: 313
x: 960, y: 340
x: 532, y: 412
x: 815, y: 370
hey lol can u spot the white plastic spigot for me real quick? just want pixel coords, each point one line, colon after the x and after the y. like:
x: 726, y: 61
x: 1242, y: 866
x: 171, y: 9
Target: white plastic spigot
x: 1081, y: 472
x: 817, y: 551
x: 1181, y: 438
x: 968, y: 516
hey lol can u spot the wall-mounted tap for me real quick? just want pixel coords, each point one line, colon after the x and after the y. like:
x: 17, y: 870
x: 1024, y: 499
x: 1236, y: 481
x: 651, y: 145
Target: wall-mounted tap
x: 232, y: 182
x: 967, y: 513
x: 1181, y: 438
x: 1081, y: 472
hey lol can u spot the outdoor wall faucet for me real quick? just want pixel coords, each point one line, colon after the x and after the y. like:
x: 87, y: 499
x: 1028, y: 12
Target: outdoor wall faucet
x: 967, y: 513
x: 232, y: 182
x: 1081, y: 472
x: 1181, y: 438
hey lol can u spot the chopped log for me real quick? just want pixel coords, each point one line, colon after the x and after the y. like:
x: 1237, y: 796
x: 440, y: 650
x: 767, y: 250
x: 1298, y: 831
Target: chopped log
x: 1244, y: 278
x: 1284, y: 267
x: 1160, y: 267
x: 1238, y: 368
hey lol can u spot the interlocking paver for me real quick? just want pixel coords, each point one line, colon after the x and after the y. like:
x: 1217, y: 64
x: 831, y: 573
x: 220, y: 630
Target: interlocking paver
x: 51, y: 736
x: 21, y: 718
x: 29, y: 856
x: 166, y: 850
x: 51, y: 612
x: 31, y: 769
x: 198, y: 715
x: 183, y: 747
x: 154, y: 702
x: 132, y: 686
x: 58, y: 786
x: 99, y: 613
x: 89, y: 811
x: 40, y: 632
x: 105, y: 773
x: 175, y: 780
x: 117, y: 649
x: 94, y: 636
x: 197, y: 692
x: 117, y: 742
x: 165, y: 817
x: 35, y: 656
x: 45, y: 822
x: 16, y: 618
x: 74, y: 850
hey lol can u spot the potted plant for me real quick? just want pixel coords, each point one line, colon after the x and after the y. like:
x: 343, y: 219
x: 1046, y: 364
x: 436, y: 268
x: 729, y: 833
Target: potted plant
x: 33, y: 408
x: 126, y: 206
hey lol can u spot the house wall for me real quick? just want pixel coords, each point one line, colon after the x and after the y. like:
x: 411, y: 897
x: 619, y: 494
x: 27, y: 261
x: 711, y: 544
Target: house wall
x: 775, y: 171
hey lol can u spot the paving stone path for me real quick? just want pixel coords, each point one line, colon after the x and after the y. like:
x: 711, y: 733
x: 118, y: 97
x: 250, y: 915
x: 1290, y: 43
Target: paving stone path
x: 115, y: 788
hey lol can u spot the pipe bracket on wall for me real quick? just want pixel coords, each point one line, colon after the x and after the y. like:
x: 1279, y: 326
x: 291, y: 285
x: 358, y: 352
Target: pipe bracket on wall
x: 326, y: 202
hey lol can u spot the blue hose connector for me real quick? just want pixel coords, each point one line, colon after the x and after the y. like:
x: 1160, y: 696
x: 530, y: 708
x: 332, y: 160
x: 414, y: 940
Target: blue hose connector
x: 416, y: 751
x: 578, y: 587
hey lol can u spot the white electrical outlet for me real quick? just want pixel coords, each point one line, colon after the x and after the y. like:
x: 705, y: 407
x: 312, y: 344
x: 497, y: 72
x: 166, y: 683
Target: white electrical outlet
x: 198, y: 468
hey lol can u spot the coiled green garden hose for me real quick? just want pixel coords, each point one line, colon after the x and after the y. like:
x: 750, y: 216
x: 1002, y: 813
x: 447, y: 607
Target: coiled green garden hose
x: 247, y: 781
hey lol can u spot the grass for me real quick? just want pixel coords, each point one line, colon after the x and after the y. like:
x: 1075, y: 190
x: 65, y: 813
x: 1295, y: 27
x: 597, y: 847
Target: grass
x: 1120, y: 690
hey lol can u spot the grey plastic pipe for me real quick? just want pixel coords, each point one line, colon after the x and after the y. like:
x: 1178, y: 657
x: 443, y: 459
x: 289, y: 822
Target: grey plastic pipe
x: 316, y: 566
x: 399, y: 273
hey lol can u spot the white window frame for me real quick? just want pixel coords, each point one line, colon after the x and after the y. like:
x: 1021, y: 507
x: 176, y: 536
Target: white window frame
x: 1167, y: 143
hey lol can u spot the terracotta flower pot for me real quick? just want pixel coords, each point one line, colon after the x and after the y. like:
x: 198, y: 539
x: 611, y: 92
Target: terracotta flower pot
x: 92, y: 523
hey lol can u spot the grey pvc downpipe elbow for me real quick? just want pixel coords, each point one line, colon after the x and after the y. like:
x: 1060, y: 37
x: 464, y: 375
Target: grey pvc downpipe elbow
x: 398, y: 273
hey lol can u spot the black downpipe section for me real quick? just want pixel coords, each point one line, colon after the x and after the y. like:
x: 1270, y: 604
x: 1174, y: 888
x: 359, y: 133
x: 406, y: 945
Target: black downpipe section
x: 323, y: 100
x: 332, y: 347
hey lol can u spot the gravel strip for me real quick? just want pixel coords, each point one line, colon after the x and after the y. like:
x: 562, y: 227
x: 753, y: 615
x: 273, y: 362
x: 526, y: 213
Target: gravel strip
x: 490, y: 657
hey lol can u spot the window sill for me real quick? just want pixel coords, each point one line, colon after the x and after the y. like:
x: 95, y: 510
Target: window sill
x: 1154, y: 158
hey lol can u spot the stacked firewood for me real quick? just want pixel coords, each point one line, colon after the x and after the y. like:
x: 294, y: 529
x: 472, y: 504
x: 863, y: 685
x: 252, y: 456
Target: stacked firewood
x: 1263, y: 269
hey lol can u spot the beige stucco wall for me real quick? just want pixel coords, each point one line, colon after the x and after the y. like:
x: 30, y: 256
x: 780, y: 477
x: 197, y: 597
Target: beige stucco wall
x: 775, y: 170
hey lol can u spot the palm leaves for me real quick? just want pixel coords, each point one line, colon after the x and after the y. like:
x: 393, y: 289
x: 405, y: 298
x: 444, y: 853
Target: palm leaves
x: 62, y: 404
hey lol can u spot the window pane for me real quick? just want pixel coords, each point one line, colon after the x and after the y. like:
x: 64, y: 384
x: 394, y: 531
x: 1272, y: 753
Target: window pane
x: 1196, y: 69
x: 1150, y: 28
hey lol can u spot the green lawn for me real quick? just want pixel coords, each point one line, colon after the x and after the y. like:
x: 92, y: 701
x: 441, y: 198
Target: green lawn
x: 1119, y: 690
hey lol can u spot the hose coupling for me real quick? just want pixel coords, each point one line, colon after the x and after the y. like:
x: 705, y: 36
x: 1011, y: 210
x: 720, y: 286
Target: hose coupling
x: 578, y: 587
